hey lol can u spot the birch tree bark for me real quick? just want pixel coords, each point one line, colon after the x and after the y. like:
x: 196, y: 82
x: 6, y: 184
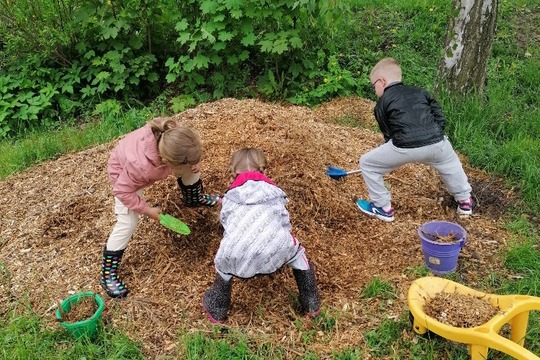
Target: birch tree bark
x: 469, y: 38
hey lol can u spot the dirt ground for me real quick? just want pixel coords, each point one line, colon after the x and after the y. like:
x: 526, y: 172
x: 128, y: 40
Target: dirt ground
x: 56, y: 216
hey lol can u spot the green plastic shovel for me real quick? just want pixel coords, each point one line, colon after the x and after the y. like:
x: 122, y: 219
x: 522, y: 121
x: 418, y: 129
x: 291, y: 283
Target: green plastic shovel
x: 174, y: 224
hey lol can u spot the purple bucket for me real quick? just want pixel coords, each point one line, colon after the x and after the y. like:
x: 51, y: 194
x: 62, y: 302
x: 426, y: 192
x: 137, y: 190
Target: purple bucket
x: 441, y: 257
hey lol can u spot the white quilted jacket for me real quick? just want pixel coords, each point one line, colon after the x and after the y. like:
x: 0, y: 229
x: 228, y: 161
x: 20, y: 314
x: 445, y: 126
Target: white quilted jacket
x: 257, y: 232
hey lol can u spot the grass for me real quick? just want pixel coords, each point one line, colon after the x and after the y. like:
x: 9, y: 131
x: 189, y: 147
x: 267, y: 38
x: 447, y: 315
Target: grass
x: 379, y: 288
x: 499, y: 133
x: 232, y: 346
x: 23, y: 336
x: 39, y: 146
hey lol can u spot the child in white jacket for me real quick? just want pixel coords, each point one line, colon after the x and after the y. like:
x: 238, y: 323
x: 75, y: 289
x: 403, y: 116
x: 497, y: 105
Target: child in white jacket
x: 257, y: 237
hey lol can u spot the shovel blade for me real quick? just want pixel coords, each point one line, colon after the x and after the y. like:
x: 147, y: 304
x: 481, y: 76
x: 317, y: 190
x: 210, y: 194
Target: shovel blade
x: 174, y: 224
x: 335, y: 172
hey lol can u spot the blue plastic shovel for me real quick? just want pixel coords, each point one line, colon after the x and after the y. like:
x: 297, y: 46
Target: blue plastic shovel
x: 338, y: 173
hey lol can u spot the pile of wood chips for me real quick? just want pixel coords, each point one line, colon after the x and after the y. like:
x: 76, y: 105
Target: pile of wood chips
x: 56, y: 217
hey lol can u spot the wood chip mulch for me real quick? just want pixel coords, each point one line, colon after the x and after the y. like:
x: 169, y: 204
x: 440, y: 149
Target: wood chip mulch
x: 56, y: 217
x: 460, y: 310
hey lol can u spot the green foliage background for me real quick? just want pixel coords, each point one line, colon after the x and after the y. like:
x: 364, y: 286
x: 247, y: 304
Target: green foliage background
x: 74, y: 73
x: 60, y: 58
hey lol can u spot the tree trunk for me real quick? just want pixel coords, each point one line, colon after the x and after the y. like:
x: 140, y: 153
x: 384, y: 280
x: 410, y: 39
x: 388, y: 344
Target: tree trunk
x: 469, y: 38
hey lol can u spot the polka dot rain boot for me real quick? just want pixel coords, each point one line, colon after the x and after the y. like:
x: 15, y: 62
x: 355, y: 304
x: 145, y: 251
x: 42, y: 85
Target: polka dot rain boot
x: 194, y: 195
x: 109, y: 280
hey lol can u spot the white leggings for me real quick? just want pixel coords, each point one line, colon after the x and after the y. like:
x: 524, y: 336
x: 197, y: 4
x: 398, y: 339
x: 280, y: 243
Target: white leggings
x: 127, y: 219
x: 299, y: 262
x: 126, y: 223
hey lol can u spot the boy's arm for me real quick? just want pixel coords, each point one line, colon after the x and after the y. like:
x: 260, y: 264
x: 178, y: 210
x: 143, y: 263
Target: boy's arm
x: 382, y: 121
x: 436, y: 111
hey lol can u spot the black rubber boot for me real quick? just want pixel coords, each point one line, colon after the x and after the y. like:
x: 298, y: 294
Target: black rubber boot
x: 109, y: 280
x: 308, y: 295
x: 217, y: 300
x: 194, y: 194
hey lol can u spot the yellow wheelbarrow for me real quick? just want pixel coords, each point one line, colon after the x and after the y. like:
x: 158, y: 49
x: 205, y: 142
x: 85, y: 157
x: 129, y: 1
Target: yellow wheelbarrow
x: 514, y: 310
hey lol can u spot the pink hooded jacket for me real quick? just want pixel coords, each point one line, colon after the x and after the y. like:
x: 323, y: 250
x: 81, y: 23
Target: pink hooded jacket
x: 134, y: 164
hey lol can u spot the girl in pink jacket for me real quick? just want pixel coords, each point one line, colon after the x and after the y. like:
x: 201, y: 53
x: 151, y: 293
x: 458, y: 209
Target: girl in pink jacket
x: 151, y: 153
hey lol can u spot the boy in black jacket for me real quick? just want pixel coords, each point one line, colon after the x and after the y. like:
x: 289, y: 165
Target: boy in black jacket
x: 413, y: 127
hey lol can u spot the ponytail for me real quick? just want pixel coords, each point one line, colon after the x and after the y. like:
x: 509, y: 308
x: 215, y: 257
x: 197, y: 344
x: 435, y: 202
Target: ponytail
x: 177, y: 144
x: 159, y: 125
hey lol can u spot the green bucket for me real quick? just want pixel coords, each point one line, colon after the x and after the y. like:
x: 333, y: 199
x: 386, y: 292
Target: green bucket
x: 83, y: 328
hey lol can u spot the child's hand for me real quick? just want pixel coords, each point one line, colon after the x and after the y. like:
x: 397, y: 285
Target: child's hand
x: 153, y: 213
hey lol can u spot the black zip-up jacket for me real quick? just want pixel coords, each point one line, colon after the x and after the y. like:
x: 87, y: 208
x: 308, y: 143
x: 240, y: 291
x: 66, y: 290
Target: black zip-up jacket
x: 409, y: 116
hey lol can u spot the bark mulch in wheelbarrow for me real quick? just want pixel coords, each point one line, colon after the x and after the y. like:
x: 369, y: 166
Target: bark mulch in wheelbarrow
x: 460, y: 310
x: 56, y: 217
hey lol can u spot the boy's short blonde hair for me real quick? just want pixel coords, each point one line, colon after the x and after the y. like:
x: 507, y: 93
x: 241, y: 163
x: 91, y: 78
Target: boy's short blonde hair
x: 247, y: 159
x: 177, y: 144
x: 389, y: 68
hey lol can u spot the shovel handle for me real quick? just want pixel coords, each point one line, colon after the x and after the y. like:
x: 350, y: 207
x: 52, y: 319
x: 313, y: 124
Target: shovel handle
x: 354, y: 172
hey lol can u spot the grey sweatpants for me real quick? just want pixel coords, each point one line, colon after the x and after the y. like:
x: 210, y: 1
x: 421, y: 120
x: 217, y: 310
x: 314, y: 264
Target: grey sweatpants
x: 387, y: 157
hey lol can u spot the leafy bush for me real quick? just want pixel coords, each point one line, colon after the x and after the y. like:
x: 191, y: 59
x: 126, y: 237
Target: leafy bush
x: 334, y: 81
x: 77, y: 53
x: 227, y: 44
x: 72, y: 55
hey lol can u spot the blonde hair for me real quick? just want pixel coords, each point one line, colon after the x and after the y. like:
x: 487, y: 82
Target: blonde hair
x: 177, y: 144
x: 387, y: 68
x: 247, y: 159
